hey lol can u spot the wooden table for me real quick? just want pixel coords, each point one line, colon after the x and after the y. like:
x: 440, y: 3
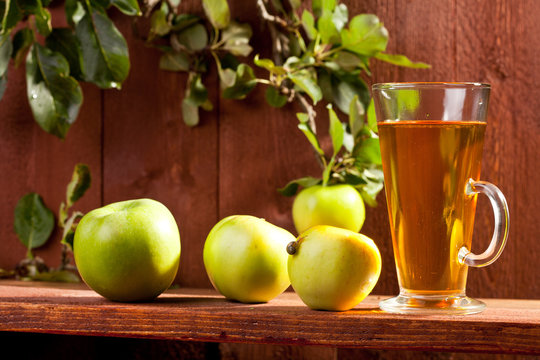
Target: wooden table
x: 506, y: 326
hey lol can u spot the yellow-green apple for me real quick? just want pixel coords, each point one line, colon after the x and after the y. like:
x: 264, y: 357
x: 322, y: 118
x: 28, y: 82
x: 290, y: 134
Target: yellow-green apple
x: 246, y: 260
x: 332, y: 268
x: 335, y: 205
x: 129, y: 250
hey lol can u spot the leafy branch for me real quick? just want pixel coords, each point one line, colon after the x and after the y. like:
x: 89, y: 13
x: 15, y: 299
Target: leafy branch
x: 34, y: 223
x: 89, y: 49
x: 318, y: 54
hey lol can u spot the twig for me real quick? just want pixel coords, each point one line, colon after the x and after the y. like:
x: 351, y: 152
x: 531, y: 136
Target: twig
x: 269, y: 17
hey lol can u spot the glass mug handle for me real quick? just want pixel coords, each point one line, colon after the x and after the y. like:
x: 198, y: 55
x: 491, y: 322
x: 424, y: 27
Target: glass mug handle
x: 502, y: 224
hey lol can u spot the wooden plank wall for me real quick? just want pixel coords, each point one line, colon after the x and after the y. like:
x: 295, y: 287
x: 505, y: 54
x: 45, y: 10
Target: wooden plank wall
x: 137, y: 146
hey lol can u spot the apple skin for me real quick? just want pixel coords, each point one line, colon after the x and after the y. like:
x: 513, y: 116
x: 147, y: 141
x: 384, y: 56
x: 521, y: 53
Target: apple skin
x: 128, y: 251
x: 246, y: 260
x: 332, y: 268
x: 335, y: 205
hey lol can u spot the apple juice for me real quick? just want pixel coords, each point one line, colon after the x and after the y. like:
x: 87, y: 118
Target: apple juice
x: 431, y: 215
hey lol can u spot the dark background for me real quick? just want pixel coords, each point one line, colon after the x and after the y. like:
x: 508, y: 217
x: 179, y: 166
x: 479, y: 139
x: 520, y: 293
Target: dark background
x: 136, y: 144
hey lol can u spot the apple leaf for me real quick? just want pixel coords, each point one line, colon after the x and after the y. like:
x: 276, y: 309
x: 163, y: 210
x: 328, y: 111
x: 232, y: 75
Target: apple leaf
x: 335, y: 129
x: 104, y: 49
x: 356, y: 116
x: 34, y: 222
x: 194, y: 38
x: 307, y: 82
x: 401, y: 60
x: 64, y: 41
x: 22, y: 41
x: 217, y: 12
x: 6, y: 49
x: 292, y: 187
x: 55, y: 97
x: 11, y: 15
x: 274, y: 97
x: 366, y: 35
x: 128, y: 7
x: 236, y: 37
x: 244, y: 82
x: 80, y: 182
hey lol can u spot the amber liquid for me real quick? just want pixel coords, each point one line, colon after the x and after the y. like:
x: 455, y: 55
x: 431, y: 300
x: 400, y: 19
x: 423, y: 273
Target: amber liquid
x: 427, y: 165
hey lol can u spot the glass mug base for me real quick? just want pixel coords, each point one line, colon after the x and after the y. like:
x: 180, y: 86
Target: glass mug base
x: 432, y: 305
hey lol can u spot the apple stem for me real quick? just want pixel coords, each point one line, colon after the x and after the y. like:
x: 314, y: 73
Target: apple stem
x: 292, y: 247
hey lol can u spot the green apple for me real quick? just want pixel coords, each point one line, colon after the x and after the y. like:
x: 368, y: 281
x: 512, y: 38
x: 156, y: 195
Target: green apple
x: 245, y: 258
x: 332, y: 268
x: 335, y: 205
x: 129, y: 250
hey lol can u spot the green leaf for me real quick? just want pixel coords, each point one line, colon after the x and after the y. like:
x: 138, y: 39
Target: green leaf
x: 6, y: 50
x: 310, y: 135
x: 366, y: 35
x: 345, y: 86
x: 348, y: 61
x: 104, y: 50
x: 22, y: 41
x: 356, y: 116
x: 11, y: 16
x: 308, y: 22
x: 319, y: 6
x: 194, y: 38
x: 307, y: 82
x: 183, y: 21
x: 190, y: 112
x: 128, y: 7
x: 69, y: 227
x: 292, y: 187
x: 3, y: 84
x: 340, y: 16
x: 34, y: 222
x: 64, y: 41
x: 269, y: 65
x: 371, y: 117
x: 55, y: 97
x: 302, y: 117
x: 80, y: 182
x: 401, y: 60
x: 236, y: 37
x: 328, y: 170
x: 274, y: 97
x: 158, y: 22
x: 42, y: 16
x: 244, y: 82
x: 217, y: 12
x: 327, y: 29
x: 174, y: 61
x: 368, y: 152
x: 374, y: 182
x: 227, y: 78
x: 197, y: 91
x: 74, y: 10
x: 335, y: 129
x: 43, y: 22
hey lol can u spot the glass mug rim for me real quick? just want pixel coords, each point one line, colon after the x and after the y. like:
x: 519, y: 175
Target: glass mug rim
x: 430, y: 85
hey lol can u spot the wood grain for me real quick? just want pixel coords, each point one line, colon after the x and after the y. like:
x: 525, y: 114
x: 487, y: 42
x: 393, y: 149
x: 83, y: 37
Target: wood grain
x: 149, y: 152
x: 34, y: 161
x: 244, y: 150
x: 507, y: 326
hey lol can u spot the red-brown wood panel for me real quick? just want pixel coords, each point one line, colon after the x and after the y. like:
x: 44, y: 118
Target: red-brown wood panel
x: 149, y: 152
x: 32, y: 160
x: 499, y: 42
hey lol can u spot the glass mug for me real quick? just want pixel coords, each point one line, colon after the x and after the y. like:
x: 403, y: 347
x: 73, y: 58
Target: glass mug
x: 431, y: 137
